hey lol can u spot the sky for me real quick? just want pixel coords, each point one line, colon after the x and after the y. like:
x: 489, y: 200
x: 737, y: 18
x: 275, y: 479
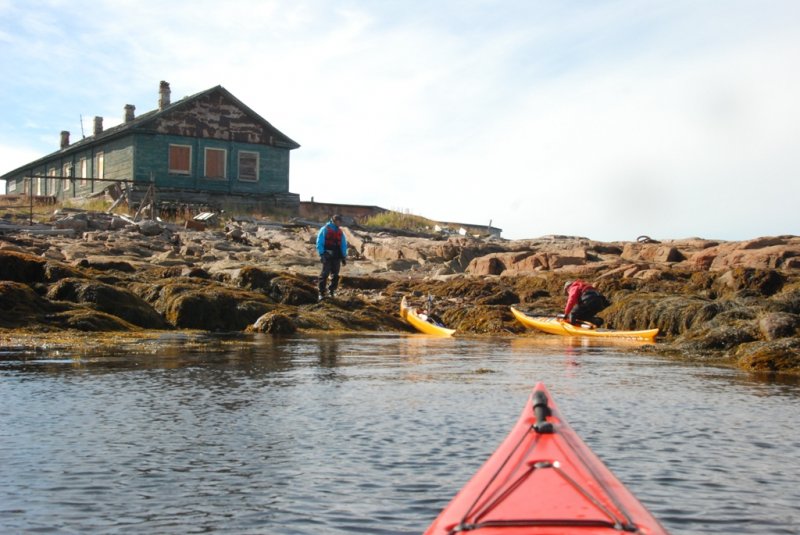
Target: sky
x: 607, y: 119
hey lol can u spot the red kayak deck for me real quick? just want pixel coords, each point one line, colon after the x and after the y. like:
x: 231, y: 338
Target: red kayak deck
x: 543, y: 480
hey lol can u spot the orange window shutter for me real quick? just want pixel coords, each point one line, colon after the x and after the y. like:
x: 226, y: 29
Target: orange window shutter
x: 215, y: 164
x: 179, y: 158
x: 183, y: 158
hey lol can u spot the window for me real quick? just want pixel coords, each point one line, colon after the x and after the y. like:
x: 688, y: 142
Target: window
x: 248, y: 166
x: 84, y: 171
x: 12, y: 186
x: 66, y: 174
x: 53, y: 182
x: 180, y: 159
x: 99, y: 165
x: 215, y: 163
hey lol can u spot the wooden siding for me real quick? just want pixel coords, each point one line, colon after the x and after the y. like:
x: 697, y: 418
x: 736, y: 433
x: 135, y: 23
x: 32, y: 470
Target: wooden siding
x: 152, y: 156
x: 214, y: 117
x: 139, y: 151
x: 63, y: 186
x: 119, y: 155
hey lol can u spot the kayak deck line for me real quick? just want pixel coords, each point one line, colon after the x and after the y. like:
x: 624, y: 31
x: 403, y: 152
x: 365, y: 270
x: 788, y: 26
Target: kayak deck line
x: 541, y: 426
x: 543, y: 479
x: 615, y: 523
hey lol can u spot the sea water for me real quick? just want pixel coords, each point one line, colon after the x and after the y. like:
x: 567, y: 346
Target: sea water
x: 371, y: 434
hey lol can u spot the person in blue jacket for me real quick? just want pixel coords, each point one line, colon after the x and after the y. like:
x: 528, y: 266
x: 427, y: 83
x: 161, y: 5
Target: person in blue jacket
x: 332, y: 249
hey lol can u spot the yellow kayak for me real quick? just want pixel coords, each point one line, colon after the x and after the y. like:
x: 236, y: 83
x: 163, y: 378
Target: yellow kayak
x: 564, y: 328
x: 421, y: 322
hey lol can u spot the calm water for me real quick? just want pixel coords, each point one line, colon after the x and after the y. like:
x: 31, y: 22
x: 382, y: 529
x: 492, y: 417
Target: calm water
x: 371, y: 434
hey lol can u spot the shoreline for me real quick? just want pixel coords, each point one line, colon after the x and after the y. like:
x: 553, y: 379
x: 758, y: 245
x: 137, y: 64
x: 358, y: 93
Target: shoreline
x: 730, y: 302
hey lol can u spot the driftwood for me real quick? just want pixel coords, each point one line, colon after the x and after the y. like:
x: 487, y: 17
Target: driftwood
x: 38, y: 230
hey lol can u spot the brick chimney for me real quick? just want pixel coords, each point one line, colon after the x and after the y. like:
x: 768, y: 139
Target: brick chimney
x: 64, y: 139
x: 129, y: 108
x: 163, y: 95
x: 98, y: 125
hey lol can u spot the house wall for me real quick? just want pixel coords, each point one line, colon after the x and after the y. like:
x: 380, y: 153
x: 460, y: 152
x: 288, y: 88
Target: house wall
x: 119, y: 155
x: 152, y: 163
x: 214, y: 119
x: 61, y: 175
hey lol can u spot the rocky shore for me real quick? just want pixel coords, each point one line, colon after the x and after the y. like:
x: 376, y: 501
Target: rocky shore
x: 94, y: 276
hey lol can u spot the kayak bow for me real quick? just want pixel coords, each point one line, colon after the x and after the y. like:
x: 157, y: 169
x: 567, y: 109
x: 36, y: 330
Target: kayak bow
x: 421, y: 322
x: 544, y: 480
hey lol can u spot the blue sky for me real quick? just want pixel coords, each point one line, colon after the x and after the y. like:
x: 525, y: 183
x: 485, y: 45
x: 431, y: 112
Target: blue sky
x: 604, y: 119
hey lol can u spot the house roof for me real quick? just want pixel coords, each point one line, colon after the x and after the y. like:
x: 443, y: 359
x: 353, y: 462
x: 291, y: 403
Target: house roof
x: 141, y: 123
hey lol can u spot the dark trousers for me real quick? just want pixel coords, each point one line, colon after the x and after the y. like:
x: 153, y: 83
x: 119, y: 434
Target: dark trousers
x: 330, y: 268
x: 589, y: 304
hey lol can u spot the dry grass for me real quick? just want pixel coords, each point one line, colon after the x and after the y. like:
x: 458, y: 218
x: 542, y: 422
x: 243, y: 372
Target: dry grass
x: 19, y: 208
x: 400, y: 220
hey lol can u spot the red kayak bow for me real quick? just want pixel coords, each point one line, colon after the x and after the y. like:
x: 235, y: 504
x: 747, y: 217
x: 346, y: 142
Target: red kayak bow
x: 544, y: 480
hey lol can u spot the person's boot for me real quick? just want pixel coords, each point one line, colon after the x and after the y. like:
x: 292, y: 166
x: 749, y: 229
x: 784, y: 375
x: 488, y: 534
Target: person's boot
x: 321, y: 296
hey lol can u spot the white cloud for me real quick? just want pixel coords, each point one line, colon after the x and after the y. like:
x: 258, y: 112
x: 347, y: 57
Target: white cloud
x: 608, y: 120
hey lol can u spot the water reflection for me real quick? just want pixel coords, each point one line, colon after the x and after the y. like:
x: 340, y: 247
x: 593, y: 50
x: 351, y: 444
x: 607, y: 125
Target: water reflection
x: 325, y: 434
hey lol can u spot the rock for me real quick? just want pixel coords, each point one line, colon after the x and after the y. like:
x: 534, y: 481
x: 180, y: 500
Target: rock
x: 766, y: 241
x: 648, y: 274
x: 148, y: 227
x: 29, y: 269
x: 279, y: 287
x: 273, y: 323
x: 781, y: 355
x: 402, y: 264
x: 117, y: 223
x: 761, y: 281
x: 774, y: 325
x: 532, y: 263
x: 191, y: 249
x: 108, y: 264
x: 720, y: 337
x: 109, y: 299
x: 77, y: 222
x: 558, y: 261
x: 504, y: 297
x: 763, y: 253
x: 206, y: 305
x: 726, y: 299
x: 89, y: 320
x: 651, y: 253
x: 21, y: 267
x: 20, y: 306
x: 196, y: 272
x: 486, y: 265
x: 786, y: 301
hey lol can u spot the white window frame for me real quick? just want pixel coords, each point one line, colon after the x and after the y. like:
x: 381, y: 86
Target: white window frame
x: 52, y: 174
x: 100, y: 165
x: 257, y: 168
x: 84, y: 170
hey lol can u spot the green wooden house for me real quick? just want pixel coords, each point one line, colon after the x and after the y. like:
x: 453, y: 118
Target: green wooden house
x: 207, y: 148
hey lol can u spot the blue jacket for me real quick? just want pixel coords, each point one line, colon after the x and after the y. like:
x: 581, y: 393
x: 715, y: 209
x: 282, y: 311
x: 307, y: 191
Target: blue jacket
x: 321, y: 239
